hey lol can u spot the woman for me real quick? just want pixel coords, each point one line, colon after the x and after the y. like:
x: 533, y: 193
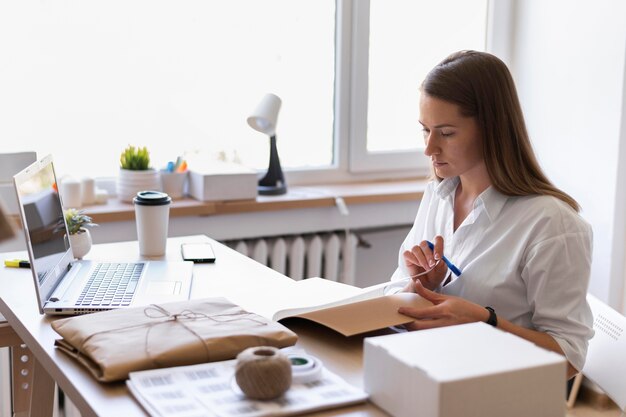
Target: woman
x: 523, y: 250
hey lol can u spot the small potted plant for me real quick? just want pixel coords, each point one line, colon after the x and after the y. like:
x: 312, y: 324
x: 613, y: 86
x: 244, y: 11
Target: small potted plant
x: 80, y: 238
x: 135, y: 173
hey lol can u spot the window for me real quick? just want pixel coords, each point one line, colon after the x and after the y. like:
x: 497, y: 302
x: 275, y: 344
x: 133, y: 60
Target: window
x: 84, y: 80
x: 406, y: 39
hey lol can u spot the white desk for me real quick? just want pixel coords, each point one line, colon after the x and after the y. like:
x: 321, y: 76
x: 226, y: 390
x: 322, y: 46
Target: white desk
x: 234, y: 276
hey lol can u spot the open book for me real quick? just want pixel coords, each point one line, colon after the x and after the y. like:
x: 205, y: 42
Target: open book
x: 346, y: 309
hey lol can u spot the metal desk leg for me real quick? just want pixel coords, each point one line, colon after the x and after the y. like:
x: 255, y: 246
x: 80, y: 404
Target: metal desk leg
x: 21, y: 379
x: 33, y: 388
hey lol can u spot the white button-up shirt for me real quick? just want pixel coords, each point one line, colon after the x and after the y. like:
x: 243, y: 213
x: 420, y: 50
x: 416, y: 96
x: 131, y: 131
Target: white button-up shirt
x: 527, y: 257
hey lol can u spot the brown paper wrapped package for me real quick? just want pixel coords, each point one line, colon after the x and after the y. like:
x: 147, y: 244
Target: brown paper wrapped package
x: 113, y: 343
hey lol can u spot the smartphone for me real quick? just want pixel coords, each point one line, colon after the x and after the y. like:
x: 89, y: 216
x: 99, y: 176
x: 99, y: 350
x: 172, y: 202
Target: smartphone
x: 197, y: 252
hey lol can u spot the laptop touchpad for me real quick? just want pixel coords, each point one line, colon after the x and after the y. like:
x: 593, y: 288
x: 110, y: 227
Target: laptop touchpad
x: 163, y: 287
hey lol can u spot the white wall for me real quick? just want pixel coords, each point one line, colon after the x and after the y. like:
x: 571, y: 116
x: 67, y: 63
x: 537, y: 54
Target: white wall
x: 568, y: 60
x: 376, y: 263
x: 620, y: 215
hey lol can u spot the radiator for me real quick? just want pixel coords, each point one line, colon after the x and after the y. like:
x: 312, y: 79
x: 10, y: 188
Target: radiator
x: 327, y: 255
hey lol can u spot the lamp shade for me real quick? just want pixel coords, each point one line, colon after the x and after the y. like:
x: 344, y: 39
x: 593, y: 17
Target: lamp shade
x: 265, y: 115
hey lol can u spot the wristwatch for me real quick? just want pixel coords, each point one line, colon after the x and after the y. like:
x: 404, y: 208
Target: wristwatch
x: 493, y: 319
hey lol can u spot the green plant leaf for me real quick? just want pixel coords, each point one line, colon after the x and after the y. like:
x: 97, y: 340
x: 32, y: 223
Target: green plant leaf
x: 136, y: 159
x: 77, y: 219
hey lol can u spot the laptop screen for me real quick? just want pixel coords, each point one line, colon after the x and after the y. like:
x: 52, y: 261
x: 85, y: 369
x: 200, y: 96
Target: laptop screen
x: 44, y: 223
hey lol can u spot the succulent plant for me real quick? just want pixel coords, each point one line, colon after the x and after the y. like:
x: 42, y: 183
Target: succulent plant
x: 135, y: 159
x: 76, y: 220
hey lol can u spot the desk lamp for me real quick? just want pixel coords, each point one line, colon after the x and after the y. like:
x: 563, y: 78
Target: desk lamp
x: 263, y: 119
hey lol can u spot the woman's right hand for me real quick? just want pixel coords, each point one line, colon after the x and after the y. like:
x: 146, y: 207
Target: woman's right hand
x: 421, y: 258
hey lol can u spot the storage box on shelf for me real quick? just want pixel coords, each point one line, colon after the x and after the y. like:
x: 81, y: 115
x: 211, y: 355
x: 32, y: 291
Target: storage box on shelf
x: 222, y: 181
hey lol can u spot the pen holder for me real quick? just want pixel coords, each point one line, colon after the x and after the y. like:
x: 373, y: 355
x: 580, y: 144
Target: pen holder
x: 173, y: 183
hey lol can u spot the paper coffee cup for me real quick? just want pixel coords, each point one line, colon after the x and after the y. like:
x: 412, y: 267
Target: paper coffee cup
x: 152, y: 214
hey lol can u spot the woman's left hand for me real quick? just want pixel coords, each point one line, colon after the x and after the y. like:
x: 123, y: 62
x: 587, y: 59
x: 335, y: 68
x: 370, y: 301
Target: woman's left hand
x: 447, y: 310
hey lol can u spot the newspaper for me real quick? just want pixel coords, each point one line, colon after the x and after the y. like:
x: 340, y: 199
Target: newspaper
x: 210, y: 389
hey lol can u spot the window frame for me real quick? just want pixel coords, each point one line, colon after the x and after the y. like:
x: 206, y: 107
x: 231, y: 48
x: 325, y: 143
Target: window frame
x: 360, y: 159
x: 352, y: 161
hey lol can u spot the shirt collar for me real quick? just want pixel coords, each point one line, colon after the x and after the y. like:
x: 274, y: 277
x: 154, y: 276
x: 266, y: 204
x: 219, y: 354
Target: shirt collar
x: 491, y: 200
x: 446, y: 187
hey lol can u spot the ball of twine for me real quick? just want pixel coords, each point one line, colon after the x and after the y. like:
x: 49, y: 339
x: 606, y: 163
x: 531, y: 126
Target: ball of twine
x: 263, y: 372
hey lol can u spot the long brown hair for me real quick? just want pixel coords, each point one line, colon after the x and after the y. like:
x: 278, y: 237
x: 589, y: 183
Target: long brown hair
x: 483, y: 88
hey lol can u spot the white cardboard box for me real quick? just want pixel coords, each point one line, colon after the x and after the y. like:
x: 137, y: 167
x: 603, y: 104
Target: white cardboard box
x: 463, y: 371
x: 222, y: 181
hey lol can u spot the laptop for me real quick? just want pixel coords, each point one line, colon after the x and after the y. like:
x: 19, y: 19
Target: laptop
x: 66, y: 286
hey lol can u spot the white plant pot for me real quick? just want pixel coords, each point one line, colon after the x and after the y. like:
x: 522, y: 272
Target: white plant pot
x: 129, y: 183
x: 80, y: 243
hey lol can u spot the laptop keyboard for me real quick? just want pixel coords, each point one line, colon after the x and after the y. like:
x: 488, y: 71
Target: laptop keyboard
x: 111, y: 284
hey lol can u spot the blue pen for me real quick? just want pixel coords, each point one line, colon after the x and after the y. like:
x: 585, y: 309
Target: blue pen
x: 170, y: 166
x: 456, y: 271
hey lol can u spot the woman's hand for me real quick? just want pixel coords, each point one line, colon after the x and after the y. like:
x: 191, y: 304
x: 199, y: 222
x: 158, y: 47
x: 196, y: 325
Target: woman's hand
x: 446, y: 311
x: 421, y: 258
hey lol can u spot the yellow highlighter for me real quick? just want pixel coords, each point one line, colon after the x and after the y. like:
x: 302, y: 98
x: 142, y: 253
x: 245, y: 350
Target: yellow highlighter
x: 16, y: 263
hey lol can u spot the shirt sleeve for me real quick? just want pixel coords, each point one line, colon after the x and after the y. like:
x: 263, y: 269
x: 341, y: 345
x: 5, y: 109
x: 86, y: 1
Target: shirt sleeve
x: 557, y: 273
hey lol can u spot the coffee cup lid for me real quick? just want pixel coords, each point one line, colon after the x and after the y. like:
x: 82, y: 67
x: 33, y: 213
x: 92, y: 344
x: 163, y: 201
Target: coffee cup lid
x: 152, y: 198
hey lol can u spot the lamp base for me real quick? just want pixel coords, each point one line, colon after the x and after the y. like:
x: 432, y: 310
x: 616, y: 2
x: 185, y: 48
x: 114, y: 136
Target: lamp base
x: 272, y: 189
x: 273, y: 183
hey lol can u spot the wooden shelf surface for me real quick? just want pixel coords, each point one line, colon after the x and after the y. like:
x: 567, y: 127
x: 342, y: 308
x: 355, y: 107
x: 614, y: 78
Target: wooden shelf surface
x: 297, y: 197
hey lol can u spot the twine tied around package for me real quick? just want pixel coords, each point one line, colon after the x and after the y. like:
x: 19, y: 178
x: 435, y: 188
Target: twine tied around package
x: 155, y: 311
x: 263, y: 373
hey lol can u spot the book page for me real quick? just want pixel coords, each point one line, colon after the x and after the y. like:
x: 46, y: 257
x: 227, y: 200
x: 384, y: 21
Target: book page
x: 318, y: 293
x: 350, y: 310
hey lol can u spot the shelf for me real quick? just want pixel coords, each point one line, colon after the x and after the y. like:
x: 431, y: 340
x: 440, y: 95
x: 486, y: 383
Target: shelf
x: 297, y: 197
